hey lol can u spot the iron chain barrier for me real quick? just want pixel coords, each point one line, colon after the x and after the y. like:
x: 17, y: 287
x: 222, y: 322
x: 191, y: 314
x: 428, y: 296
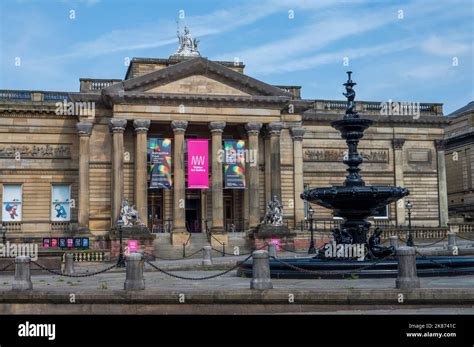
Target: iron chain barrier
x: 322, y: 273
x: 8, y: 265
x: 435, y: 262
x: 464, y: 238
x: 57, y: 273
x: 199, y: 278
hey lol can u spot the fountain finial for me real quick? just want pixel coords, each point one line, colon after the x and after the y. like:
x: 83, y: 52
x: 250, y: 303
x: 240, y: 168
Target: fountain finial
x: 350, y: 95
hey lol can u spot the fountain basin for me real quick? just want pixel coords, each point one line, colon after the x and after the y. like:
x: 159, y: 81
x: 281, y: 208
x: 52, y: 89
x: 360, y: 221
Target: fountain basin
x: 340, y: 269
x: 356, y: 201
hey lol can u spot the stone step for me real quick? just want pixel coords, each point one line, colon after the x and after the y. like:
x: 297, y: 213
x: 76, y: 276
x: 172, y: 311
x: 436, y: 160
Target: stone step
x: 164, y: 249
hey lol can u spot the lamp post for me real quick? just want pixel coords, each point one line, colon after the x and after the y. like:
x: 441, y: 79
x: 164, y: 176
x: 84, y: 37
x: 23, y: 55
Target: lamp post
x: 409, y: 206
x: 121, y: 259
x: 4, y: 234
x: 311, y: 249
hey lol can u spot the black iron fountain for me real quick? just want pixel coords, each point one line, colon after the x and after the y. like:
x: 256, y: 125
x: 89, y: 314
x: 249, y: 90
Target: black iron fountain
x: 355, y: 202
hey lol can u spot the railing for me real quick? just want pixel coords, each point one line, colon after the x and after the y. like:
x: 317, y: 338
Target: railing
x: 417, y: 232
x: 60, y: 226
x: 235, y: 225
x: 375, y: 107
x: 161, y: 226
x: 87, y: 256
x: 12, y: 226
x: 31, y: 95
x: 293, y: 90
x: 15, y: 95
x: 95, y: 85
x: 462, y: 227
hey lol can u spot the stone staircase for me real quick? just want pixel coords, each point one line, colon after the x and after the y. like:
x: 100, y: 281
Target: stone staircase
x: 164, y: 249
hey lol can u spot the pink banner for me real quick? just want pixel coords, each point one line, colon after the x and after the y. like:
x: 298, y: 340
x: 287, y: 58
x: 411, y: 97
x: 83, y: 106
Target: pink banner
x: 198, y: 163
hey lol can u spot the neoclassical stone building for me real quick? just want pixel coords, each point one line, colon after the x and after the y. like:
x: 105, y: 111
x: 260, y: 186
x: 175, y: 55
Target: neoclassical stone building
x: 68, y: 159
x: 460, y: 163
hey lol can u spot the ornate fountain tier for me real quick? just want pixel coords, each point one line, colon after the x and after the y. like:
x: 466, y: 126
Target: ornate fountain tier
x: 354, y: 201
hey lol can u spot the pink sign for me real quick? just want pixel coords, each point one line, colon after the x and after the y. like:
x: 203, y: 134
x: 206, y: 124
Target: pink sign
x: 198, y: 163
x: 277, y: 242
x: 132, y: 246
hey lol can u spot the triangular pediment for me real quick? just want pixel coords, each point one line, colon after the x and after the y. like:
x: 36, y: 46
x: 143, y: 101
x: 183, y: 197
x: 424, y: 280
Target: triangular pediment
x: 197, y: 84
x: 198, y: 76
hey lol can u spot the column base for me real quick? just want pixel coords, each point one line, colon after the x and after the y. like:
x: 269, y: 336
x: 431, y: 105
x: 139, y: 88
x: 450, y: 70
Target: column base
x: 407, y: 283
x: 83, y: 230
x: 179, y: 236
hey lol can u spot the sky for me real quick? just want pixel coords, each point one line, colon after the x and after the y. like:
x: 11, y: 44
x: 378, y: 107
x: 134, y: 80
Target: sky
x: 400, y: 50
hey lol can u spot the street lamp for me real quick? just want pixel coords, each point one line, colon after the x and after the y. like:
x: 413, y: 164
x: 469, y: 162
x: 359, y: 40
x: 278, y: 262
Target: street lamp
x: 121, y: 258
x: 311, y: 249
x: 4, y: 232
x: 409, y: 206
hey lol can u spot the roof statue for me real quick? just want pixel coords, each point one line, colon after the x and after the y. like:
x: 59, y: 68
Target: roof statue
x: 188, y: 47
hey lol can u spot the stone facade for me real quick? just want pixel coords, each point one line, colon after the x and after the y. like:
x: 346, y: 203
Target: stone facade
x: 459, y: 158
x: 102, y: 153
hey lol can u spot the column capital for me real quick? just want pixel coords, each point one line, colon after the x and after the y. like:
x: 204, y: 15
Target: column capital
x: 141, y: 125
x: 253, y: 128
x: 275, y: 128
x: 297, y: 134
x: 398, y: 143
x: 84, y: 128
x: 217, y: 127
x: 440, y: 145
x: 117, y: 125
x: 179, y: 126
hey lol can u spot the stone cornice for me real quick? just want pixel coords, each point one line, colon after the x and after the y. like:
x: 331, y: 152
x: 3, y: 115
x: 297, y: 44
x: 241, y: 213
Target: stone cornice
x: 439, y: 121
x: 460, y: 140
x: 196, y: 99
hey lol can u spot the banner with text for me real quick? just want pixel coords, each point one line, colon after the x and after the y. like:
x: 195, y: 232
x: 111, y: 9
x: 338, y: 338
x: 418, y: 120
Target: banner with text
x: 234, y: 164
x: 198, y: 163
x: 160, y: 163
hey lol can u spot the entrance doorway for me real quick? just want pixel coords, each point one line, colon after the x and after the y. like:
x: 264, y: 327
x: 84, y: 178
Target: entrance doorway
x: 193, y: 213
x: 155, y: 211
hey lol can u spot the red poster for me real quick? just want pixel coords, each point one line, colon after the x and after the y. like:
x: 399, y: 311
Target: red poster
x: 198, y: 163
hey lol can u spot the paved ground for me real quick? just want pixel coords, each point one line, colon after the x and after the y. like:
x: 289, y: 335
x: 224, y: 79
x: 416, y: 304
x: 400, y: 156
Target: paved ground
x: 157, y: 280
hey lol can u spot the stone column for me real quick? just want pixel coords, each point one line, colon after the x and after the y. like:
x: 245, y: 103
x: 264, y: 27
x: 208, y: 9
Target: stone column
x: 298, y: 134
x: 140, y: 185
x: 253, y: 129
x: 268, y: 167
x: 398, y: 168
x: 442, y: 185
x: 217, y: 128
x: 179, y: 233
x: 117, y: 127
x: 84, y: 130
x: 275, y: 129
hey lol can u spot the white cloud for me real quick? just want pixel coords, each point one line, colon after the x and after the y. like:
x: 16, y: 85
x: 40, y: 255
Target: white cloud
x: 444, y: 46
